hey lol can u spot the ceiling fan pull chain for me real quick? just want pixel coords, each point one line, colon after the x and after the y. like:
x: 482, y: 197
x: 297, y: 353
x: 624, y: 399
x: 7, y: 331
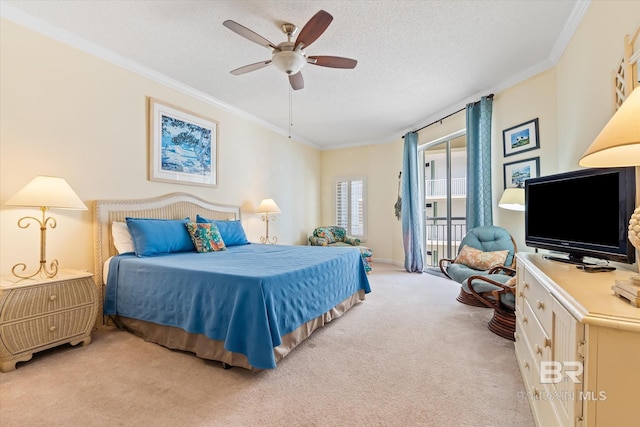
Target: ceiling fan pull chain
x: 290, y: 110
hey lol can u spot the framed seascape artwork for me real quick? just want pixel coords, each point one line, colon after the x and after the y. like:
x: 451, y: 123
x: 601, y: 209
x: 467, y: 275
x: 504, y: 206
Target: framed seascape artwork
x: 521, y: 138
x: 183, y: 146
x: 515, y: 173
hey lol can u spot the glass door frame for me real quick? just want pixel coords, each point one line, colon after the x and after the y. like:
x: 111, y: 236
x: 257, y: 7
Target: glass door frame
x: 448, y: 221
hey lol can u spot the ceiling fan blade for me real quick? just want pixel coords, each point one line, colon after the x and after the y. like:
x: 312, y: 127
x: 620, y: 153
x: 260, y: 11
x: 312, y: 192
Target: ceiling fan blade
x: 332, y: 61
x: 296, y: 81
x: 250, y: 67
x: 248, y: 34
x: 314, y: 28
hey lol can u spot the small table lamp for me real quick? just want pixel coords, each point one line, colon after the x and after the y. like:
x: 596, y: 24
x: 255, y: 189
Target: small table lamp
x: 266, y: 207
x: 512, y: 199
x: 45, y: 192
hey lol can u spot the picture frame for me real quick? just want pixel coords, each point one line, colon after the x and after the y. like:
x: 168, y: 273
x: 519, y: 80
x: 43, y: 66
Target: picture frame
x: 517, y: 172
x: 183, y: 146
x: 521, y: 138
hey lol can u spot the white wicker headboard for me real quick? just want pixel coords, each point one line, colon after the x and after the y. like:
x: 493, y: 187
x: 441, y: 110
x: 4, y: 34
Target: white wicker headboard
x: 169, y: 206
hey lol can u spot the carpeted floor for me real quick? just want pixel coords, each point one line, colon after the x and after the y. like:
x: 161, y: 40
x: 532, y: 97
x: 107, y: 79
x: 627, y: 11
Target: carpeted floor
x: 410, y: 355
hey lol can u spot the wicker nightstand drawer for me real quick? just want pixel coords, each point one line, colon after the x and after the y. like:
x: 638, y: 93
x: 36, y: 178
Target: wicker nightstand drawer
x: 37, y: 314
x: 30, y: 334
x: 34, y: 300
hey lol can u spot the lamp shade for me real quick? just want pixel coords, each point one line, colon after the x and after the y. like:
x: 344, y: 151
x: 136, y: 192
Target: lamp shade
x: 512, y: 199
x: 48, y: 192
x: 618, y: 144
x: 268, y: 206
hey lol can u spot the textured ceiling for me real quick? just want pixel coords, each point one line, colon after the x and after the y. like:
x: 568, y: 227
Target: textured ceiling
x: 417, y: 60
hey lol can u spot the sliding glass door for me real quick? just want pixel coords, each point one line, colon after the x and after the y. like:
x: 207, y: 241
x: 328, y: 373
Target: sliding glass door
x: 445, y: 193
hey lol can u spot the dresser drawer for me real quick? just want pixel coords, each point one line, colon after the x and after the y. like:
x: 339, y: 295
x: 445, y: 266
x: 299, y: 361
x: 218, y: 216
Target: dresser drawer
x: 47, y: 298
x: 539, y: 299
x: 27, y: 335
x: 537, y: 338
x: 524, y: 355
x: 539, y: 395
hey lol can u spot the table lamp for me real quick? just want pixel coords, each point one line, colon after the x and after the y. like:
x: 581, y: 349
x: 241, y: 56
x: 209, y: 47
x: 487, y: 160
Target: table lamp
x: 44, y: 192
x: 512, y: 199
x: 267, y: 207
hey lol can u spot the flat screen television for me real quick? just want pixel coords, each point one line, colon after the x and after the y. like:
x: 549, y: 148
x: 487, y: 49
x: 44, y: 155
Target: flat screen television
x: 584, y: 213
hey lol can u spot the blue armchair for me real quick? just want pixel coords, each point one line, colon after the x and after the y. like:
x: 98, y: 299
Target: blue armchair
x: 483, y: 251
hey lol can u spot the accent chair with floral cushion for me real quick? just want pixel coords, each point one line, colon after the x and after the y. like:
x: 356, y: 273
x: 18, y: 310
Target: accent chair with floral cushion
x: 484, y: 251
x: 336, y: 236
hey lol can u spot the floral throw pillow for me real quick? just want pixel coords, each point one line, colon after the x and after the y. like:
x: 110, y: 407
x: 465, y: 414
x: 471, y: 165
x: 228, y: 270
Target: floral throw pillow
x: 353, y: 241
x: 205, y: 237
x: 325, y: 233
x: 480, y: 260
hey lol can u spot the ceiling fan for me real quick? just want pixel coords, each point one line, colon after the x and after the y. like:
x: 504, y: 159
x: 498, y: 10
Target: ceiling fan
x: 290, y: 56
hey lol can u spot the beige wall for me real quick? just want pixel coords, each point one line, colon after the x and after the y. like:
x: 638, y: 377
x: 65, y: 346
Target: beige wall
x: 380, y: 165
x: 584, y: 88
x: 67, y: 113
x: 532, y: 99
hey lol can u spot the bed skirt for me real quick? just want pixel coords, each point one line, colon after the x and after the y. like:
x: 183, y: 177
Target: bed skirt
x: 206, y: 348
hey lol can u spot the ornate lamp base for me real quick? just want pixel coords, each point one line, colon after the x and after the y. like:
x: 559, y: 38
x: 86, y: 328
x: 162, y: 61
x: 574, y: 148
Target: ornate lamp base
x: 266, y: 239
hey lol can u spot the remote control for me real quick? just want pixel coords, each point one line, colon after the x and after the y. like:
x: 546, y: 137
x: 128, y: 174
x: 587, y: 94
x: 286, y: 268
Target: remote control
x: 595, y: 268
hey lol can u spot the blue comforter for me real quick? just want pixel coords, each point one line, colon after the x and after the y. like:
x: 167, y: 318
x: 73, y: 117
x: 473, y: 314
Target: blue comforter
x: 248, y: 296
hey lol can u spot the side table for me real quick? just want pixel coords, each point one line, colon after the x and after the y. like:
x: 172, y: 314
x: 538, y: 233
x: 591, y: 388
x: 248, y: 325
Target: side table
x: 40, y: 313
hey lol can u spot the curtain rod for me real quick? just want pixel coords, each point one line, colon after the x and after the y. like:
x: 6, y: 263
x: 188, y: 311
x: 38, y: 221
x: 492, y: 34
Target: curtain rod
x: 445, y: 117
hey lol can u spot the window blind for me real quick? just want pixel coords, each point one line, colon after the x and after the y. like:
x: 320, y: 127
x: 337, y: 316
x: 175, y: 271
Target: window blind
x: 350, y: 206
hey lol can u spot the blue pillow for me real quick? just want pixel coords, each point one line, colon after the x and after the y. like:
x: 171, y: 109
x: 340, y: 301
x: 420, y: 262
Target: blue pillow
x: 231, y: 231
x: 159, y: 236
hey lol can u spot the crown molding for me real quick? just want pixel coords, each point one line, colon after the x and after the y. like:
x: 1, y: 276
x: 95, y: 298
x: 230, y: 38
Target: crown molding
x: 45, y: 28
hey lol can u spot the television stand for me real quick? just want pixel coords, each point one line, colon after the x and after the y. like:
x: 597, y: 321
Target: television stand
x: 570, y: 260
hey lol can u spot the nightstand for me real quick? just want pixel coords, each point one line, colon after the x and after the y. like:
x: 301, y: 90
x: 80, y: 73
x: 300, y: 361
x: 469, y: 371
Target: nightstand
x: 37, y: 314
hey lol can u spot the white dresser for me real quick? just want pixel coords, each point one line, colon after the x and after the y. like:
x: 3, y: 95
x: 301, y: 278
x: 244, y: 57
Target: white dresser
x: 577, y: 345
x: 36, y: 314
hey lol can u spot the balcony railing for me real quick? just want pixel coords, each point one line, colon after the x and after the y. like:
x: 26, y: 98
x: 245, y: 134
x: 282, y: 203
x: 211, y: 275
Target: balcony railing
x: 437, y: 238
x: 437, y: 188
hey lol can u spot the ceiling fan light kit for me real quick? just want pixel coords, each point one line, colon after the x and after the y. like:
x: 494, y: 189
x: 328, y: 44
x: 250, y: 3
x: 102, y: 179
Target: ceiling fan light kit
x: 289, y: 56
x: 289, y: 61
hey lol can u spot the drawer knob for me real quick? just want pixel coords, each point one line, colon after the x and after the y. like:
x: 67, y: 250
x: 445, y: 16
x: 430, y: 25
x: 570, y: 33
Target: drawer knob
x: 526, y: 364
x: 535, y: 392
x: 520, y: 294
x: 547, y: 342
x: 525, y: 319
x: 526, y: 285
x: 538, y: 349
x: 540, y: 304
x: 53, y: 297
x: 52, y: 328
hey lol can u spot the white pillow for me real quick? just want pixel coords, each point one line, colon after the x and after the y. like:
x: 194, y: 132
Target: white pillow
x: 122, y: 239
x: 105, y: 270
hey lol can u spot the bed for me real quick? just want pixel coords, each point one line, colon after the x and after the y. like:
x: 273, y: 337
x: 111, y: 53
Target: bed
x: 247, y: 305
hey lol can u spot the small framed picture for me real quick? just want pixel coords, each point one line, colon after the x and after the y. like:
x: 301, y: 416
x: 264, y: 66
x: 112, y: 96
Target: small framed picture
x: 515, y: 173
x: 521, y: 138
x: 183, y: 146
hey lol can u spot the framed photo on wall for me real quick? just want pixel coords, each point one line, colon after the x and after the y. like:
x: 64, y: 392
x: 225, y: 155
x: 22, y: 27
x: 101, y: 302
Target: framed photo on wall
x: 521, y: 138
x: 515, y: 173
x: 183, y: 146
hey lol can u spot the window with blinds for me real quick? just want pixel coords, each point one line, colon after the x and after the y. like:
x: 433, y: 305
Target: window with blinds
x: 350, y: 206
